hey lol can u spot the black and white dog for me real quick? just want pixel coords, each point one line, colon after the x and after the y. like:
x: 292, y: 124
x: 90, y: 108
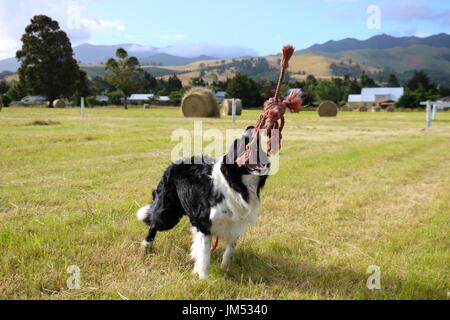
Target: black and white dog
x: 220, y: 198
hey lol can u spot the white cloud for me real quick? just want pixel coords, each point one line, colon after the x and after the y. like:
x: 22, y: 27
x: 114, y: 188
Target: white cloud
x: 94, y: 24
x: 72, y: 15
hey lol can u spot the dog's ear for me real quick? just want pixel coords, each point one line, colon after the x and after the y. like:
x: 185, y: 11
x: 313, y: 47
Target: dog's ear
x: 232, y: 154
x: 249, y: 131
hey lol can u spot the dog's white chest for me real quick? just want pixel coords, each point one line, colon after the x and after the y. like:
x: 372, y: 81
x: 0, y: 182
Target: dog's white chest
x: 231, y: 217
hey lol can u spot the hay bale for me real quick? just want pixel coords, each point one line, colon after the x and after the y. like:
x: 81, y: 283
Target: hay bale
x: 391, y: 109
x: 363, y: 109
x: 376, y: 109
x: 347, y: 108
x: 60, y: 103
x: 227, y: 107
x: 200, y: 103
x: 328, y: 109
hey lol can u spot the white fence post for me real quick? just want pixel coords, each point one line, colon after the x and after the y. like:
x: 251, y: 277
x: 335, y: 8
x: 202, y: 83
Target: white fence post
x: 428, y: 114
x: 233, y: 110
x: 82, y: 108
x: 434, y: 111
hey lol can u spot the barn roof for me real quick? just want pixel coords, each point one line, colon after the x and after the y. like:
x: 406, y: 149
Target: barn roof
x: 141, y: 96
x: 369, y: 94
x: 355, y: 98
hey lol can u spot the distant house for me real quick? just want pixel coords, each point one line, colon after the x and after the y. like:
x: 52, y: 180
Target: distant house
x: 220, y: 96
x: 140, y: 97
x: 371, y: 97
x: 299, y: 91
x: 33, y: 100
x: 163, y: 99
x: 102, y: 99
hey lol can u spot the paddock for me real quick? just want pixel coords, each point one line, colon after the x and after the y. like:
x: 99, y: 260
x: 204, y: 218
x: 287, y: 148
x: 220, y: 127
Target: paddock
x: 355, y: 191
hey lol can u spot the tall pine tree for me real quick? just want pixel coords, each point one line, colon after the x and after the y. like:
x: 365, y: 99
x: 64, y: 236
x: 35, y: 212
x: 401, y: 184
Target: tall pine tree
x: 48, y: 67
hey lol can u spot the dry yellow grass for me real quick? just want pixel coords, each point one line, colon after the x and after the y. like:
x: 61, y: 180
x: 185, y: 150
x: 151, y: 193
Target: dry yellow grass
x: 353, y: 191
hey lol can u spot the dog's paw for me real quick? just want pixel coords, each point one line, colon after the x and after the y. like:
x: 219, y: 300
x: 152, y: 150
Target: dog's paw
x: 225, y: 265
x: 147, y: 244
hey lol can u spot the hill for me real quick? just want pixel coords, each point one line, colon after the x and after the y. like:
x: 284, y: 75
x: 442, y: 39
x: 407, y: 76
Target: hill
x: 383, y: 52
x: 381, y: 42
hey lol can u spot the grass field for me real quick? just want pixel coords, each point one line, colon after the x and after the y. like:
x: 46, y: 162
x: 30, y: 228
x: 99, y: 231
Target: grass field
x: 359, y: 190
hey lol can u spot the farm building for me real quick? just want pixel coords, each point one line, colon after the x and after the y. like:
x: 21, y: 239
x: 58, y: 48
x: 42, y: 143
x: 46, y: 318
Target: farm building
x: 102, y: 98
x: 33, y: 100
x: 140, y: 97
x: 299, y: 91
x: 163, y: 99
x: 371, y: 97
x: 220, y: 96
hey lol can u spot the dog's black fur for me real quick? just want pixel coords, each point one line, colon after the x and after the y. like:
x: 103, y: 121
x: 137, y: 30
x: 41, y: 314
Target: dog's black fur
x: 187, y: 188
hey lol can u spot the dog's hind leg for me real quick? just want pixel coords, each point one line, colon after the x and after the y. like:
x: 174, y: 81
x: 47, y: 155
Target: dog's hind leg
x: 148, y: 242
x: 228, y: 255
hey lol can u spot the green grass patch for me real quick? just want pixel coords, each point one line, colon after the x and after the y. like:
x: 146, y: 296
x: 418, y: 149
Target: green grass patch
x: 359, y: 190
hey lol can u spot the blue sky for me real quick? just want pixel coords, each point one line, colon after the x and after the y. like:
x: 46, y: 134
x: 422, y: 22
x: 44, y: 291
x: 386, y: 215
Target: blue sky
x: 262, y: 25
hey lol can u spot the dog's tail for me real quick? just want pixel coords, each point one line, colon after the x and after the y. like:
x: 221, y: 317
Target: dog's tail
x: 143, y: 214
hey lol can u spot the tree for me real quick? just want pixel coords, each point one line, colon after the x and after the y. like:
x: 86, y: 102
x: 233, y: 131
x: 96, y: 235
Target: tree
x: 125, y: 74
x: 47, y: 64
x: 198, y: 82
x: 15, y: 92
x: 246, y: 89
x: 420, y: 80
x: 82, y: 87
x: 150, y: 82
x: 393, y: 81
x: 98, y: 85
x: 330, y: 90
x: 174, y: 84
x: 367, y: 82
x: 3, y: 87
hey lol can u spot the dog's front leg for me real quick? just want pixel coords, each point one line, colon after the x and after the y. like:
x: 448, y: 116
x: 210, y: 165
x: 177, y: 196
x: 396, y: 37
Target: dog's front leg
x: 228, y: 255
x: 201, y: 253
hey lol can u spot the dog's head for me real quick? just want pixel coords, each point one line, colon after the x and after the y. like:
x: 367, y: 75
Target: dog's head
x: 259, y: 164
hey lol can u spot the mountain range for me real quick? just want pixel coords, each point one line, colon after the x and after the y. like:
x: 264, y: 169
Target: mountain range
x: 333, y: 58
x: 90, y: 54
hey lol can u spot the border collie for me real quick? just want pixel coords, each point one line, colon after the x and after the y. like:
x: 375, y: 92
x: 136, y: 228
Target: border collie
x: 220, y: 198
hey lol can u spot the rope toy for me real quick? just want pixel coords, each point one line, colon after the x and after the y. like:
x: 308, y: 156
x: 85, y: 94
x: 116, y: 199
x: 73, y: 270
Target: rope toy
x: 272, y: 119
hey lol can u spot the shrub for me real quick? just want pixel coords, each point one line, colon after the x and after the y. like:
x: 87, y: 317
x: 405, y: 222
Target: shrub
x: 91, y: 101
x: 114, y: 98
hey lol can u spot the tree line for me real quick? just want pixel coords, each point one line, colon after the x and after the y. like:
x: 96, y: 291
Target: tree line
x: 48, y: 68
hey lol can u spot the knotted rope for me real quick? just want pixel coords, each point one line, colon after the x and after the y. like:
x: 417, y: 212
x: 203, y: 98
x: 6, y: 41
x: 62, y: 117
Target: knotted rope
x: 272, y: 120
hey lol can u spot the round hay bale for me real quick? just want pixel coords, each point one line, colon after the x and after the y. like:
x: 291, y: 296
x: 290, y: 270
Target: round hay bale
x: 347, y: 108
x: 391, y: 109
x: 328, y: 109
x: 227, y: 107
x: 200, y: 103
x: 363, y: 109
x: 60, y: 103
x: 376, y: 109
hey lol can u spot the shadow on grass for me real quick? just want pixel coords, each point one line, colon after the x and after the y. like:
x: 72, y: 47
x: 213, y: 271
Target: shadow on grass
x: 283, y: 274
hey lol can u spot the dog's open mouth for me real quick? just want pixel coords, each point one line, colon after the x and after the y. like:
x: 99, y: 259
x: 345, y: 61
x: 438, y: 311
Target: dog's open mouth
x: 259, y: 169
